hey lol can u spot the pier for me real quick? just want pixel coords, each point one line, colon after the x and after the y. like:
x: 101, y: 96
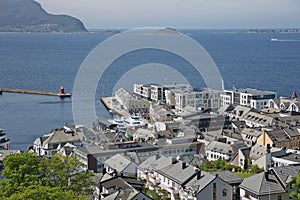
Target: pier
x: 113, y: 105
x: 60, y: 94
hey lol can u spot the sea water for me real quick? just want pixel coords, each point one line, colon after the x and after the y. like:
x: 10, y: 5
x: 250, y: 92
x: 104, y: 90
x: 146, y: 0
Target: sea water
x: 44, y: 62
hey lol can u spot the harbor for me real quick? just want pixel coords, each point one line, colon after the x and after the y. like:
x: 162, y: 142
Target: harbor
x: 60, y: 94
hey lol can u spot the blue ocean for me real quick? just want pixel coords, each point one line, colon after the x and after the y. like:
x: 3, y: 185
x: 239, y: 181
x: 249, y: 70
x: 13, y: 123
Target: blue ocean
x: 44, y: 62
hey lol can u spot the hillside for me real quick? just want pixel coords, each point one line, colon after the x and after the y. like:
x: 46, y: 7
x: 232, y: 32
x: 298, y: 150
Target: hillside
x: 29, y: 16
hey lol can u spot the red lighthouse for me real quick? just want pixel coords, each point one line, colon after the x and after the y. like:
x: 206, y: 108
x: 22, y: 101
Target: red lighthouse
x: 62, y: 90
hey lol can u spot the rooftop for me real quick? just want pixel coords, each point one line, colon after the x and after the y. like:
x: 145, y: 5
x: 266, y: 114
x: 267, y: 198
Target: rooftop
x: 228, y: 177
x: 253, y: 91
x: 263, y: 184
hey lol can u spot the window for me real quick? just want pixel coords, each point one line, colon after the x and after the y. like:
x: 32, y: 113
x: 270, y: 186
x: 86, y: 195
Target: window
x: 279, y: 197
x: 224, y: 192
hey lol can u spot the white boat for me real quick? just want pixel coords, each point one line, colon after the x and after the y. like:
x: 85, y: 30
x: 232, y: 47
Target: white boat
x: 274, y: 40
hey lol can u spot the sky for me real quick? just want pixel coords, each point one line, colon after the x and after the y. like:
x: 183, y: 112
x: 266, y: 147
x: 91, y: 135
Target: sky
x: 199, y: 14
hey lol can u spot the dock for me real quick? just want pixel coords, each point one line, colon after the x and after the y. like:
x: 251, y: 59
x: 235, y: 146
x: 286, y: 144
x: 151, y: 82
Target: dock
x: 113, y: 105
x: 58, y: 94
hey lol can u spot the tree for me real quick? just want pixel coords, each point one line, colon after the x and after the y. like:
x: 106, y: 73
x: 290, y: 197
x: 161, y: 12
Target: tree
x: 27, y: 176
x: 218, y: 165
x: 296, y: 186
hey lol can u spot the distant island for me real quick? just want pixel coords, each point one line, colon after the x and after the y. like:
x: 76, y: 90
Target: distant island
x: 29, y: 16
x: 271, y: 31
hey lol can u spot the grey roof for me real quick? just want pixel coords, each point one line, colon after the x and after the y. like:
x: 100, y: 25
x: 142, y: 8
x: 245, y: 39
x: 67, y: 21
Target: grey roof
x: 289, y: 156
x: 253, y: 91
x: 242, y: 110
x: 228, y: 176
x: 225, y: 108
x: 251, y: 132
x: 118, y: 162
x: 219, y: 147
x: 121, y: 183
x: 126, y: 194
x: 59, y: 136
x: 259, y: 118
x: 193, y: 159
x: 284, y: 173
x: 260, y: 185
x: 156, y: 162
x: 176, y: 173
x: 257, y: 151
x: 284, y: 133
x: 199, y: 184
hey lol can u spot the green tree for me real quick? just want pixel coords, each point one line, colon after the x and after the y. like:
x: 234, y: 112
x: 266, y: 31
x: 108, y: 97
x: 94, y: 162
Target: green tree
x: 217, y: 165
x: 27, y: 176
x: 45, y: 192
x: 296, y: 186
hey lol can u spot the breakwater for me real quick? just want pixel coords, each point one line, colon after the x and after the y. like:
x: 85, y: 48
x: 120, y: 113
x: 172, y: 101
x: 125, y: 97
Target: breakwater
x: 58, y: 94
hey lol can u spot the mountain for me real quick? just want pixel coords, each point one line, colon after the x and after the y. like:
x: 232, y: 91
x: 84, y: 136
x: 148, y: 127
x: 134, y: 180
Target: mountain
x: 29, y: 16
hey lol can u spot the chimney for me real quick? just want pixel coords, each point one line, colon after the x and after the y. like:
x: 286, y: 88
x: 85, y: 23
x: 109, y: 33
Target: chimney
x: 174, y: 160
x: 198, y: 174
x: 268, y: 158
x: 157, y: 156
x: 267, y: 175
x: 184, y: 165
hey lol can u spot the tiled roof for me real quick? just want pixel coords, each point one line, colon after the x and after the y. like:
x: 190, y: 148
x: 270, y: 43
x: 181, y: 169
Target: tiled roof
x: 260, y: 185
x: 228, y: 176
x: 284, y: 173
x: 118, y: 162
x: 259, y: 118
x: 219, y: 147
x: 59, y: 136
x: 199, y: 184
x: 177, y: 173
x: 155, y: 162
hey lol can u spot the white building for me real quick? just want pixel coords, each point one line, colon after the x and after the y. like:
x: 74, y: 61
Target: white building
x: 218, y: 150
x: 253, y: 98
x: 142, y: 90
x: 198, y: 99
x: 272, y: 184
x: 53, y: 142
x: 184, y: 180
x: 120, y: 165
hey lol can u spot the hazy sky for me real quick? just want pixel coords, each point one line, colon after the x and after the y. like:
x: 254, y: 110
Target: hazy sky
x: 180, y: 13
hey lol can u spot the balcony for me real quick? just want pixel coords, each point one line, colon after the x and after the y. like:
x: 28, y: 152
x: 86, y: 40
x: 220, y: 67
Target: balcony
x: 154, y: 180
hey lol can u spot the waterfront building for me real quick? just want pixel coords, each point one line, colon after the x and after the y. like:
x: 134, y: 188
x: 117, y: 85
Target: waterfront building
x: 53, y: 142
x: 142, y: 90
x: 249, y: 97
x: 130, y: 103
x: 197, y: 99
x: 157, y: 92
x: 284, y: 104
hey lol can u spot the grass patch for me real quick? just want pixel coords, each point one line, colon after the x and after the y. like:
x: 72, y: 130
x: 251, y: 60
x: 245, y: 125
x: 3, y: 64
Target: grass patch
x: 244, y: 174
